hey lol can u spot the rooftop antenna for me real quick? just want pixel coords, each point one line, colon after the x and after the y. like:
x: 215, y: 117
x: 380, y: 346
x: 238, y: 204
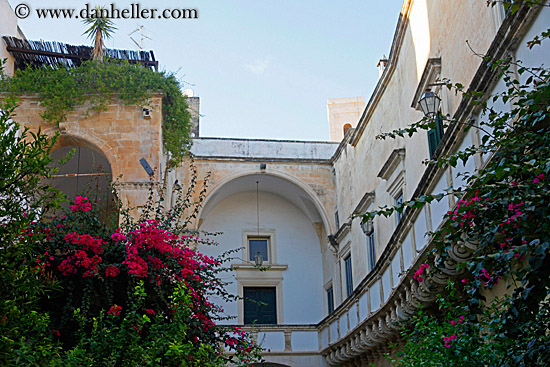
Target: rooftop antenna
x: 142, y: 36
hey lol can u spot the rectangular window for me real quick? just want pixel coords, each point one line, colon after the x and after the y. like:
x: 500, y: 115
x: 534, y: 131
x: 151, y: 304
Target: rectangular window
x: 371, y: 249
x: 260, y: 306
x: 349, y: 277
x: 399, y: 201
x: 258, y: 246
x: 330, y: 300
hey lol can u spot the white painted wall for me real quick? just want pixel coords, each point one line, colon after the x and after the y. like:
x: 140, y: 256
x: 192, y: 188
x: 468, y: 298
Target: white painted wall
x: 297, y: 246
x: 261, y: 148
x: 8, y: 27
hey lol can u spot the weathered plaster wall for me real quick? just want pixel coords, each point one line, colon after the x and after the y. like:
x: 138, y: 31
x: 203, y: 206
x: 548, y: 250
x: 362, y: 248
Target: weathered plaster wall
x: 435, y: 30
x: 258, y: 149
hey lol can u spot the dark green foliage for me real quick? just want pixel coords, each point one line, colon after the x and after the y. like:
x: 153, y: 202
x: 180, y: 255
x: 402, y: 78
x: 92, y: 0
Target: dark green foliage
x: 24, y: 157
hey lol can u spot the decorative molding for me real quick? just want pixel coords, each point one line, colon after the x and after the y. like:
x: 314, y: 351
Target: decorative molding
x: 395, y: 158
x: 430, y: 75
x: 397, y: 185
x: 137, y: 185
x: 263, y: 268
x: 342, y: 232
x: 364, y: 203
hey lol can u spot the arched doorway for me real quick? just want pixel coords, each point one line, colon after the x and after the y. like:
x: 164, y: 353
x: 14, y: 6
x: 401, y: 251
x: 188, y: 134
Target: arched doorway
x: 87, y: 173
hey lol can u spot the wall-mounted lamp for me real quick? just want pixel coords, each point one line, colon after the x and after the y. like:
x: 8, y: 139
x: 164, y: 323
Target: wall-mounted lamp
x: 258, y: 259
x: 429, y: 103
x: 367, y: 227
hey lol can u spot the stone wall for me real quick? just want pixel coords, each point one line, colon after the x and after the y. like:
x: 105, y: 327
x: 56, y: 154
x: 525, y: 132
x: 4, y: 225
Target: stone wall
x: 121, y: 133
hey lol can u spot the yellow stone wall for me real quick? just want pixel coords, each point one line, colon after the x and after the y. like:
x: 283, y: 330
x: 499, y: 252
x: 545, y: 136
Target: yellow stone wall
x: 120, y: 132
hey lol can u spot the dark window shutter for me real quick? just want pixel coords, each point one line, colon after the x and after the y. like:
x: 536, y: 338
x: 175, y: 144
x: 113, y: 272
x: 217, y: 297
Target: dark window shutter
x: 435, y: 135
x: 260, y: 305
x: 439, y: 128
x: 432, y: 141
x: 371, y: 251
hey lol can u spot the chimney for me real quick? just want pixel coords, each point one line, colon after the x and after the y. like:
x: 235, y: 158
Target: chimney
x: 382, y: 65
x: 193, y: 104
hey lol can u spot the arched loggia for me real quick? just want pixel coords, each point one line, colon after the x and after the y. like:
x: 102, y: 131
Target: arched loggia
x: 279, y: 219
x: 278, y: 183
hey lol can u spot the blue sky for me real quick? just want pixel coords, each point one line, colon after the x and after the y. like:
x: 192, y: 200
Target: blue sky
x: 262, y: 68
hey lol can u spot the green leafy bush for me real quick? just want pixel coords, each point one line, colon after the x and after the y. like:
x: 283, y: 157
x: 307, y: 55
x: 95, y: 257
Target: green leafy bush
x: 24, y: 159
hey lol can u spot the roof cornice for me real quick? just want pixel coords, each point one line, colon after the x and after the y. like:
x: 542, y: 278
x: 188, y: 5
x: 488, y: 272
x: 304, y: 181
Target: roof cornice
x: 398, y: 37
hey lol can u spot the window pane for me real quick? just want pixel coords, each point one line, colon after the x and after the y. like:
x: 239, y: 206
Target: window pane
x: 371, y: 251
x: 260, y: 306
x: 349, y: 278
x: 255, y: 246
x: 330, y: 300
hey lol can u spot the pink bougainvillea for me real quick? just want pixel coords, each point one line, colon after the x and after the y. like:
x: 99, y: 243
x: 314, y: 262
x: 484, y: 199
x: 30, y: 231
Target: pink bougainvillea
x: 114, y: 310
x: 539, y: 178
x: 101, y: 269
x: 117, y: 236
x: 418, y: 274
x: 81, y: 204
x: 112, y: 271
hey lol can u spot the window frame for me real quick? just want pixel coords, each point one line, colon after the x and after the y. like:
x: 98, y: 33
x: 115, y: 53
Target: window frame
x: 263, y: 234
x: 249, y: 279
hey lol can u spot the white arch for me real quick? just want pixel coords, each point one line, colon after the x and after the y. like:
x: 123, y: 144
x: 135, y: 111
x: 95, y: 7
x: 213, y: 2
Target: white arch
x: 276, y: 173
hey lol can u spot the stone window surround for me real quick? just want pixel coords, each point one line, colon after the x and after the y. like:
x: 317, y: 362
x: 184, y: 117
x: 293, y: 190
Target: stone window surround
x: 247, y: 275
x: 393, y: 171
x: 430, y: 75
x: 271, y: 244
x: 268, y: 279
x: 344, y: 252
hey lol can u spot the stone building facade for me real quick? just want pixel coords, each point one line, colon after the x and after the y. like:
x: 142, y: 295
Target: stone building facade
x: 336, y: 288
